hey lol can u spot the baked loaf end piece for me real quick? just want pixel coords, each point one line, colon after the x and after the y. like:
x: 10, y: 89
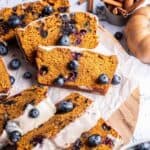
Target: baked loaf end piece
x: 100, y: 137
x: 77, y: 106
x: 23, y: 14
x: 77, y: 29
x: 85, y: 70
x: 4, y: 80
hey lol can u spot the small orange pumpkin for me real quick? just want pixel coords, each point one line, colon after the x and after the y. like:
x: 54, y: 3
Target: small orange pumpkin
x: 137, y: 33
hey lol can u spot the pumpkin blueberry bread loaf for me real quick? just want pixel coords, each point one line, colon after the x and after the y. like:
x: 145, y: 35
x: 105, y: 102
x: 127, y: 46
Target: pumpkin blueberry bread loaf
x: 85, y: 70
x: 77, y: 29
x: 74, y: 114
x: 100, y: 137
x: 23, y: 14
x: 24, y: 112
x: 4, y: 80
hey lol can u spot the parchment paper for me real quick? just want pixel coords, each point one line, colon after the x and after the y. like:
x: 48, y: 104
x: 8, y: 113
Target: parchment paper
x: 129, y: 68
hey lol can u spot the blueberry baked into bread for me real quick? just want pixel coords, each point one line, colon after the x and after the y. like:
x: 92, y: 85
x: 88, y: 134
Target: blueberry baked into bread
x: 23, y: 14
x: 24, y: 112
x: 77, y: 29
x: 83, y: 70
x: 5, y: 83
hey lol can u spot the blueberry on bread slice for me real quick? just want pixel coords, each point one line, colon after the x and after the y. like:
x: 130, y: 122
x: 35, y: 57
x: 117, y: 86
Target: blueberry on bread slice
x: 24, y: 112
x: 5, y: 83
x: 84, y: 70
x: 77, y: 29
x: 22, y: 14
x: 100, y: 137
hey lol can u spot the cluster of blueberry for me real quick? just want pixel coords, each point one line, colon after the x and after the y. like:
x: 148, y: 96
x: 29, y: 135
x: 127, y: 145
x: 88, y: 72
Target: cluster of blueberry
x: 68, y: 27
x: 14, y: 63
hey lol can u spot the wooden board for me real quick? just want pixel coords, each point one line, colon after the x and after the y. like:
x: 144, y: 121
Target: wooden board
x: 125, y: 118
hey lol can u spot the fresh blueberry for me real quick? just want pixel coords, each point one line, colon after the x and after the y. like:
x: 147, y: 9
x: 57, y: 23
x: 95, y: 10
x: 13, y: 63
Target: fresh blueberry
x: 12, y: 80
x: 116, y: 79
x: 59, y: 81
x: 73, y: 65
x: 34, y: 113
x: 103, y: 79
x: 64, y: 106
x: 100, y: 10
x: 64, y: 40
x: 118, y: 35
x: 3, y: 49
x: 47, y: 10
x: 94, y: 140
x: 14, y: 21
x: 27, y: 75
x: 15, y: 64
x: 14, y: 136
x: 142, y: 146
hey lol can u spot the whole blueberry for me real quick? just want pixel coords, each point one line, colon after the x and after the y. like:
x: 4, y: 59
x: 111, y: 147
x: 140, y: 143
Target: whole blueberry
x: 142, y: 146
x: 59, y: 81
x: 116, y: 79
x: 3, y: 49
x: 14, y: 21
x: 34, y: 113
x: 73, y: 65
x: 64, y: 40
x: 118, y: 35
x: 47, y: 10
x: 14, y: 136
x: 12, y: 79
x: 103, y: 79
x: 15, y: 64
x: 64, y: 106
x: 100, y: 11
x: 94, y: 140
x: 27, y: 75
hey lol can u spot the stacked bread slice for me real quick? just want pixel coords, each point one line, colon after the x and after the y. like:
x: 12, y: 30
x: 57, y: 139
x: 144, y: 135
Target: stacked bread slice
x: 61, y: 47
